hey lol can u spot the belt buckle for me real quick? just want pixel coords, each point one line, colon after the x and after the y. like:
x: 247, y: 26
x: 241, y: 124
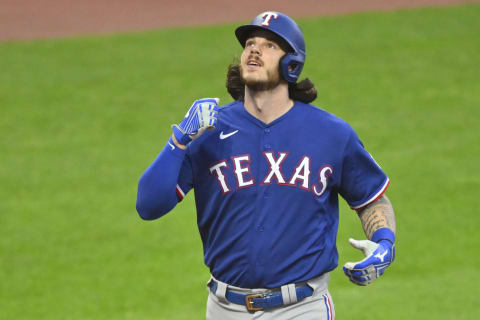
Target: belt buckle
x: 249, y: 301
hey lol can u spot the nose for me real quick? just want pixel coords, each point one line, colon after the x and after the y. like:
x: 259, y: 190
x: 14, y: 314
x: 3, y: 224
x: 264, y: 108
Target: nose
x: 254, y: 48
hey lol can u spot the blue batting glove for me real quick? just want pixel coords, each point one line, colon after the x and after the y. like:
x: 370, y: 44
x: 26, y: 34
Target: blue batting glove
x: 201, y: 115
x: 378, y: 257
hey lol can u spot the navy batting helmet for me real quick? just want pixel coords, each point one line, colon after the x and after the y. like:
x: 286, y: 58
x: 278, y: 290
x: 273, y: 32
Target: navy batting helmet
x: 283, y: 26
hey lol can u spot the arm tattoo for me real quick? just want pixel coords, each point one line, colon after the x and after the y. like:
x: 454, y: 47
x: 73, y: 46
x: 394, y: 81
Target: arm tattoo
x: 376, y: 215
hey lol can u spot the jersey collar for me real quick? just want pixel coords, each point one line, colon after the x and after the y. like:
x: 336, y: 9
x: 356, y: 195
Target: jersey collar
x: 262, y: 124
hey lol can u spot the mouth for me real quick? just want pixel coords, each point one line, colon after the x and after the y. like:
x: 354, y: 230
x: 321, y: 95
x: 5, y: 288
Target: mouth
x: 254, y: 63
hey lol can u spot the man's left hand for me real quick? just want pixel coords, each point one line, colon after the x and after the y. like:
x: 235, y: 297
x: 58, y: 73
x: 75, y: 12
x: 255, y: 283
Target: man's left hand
x: 378, y: 257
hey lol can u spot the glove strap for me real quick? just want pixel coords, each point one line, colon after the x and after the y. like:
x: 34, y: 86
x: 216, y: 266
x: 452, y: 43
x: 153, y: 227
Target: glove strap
x: 383, y: 234
x: 181, y: 136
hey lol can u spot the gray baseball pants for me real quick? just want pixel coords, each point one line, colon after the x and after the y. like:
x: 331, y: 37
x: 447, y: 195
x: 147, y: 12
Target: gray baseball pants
x: 319, y: 306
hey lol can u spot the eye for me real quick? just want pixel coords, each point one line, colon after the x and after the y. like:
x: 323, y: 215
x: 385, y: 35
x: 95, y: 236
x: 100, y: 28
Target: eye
x: 271, y: 45
x: 249, y: 43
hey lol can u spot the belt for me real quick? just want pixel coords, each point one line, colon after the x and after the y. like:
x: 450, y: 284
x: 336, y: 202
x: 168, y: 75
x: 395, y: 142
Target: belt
x: 260, y: 301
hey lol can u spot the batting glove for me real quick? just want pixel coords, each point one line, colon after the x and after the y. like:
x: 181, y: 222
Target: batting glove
x: 201, y: 115
x: 379, y: 255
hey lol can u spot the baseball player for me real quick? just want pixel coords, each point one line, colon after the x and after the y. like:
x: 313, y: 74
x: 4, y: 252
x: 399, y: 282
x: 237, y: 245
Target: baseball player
x: 267, y: 170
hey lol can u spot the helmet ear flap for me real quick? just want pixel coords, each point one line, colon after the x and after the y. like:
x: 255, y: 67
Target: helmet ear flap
x: 291, y: 66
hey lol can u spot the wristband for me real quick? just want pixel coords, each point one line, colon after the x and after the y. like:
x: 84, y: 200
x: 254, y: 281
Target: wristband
x: 383, y: 234
x: 182, y: 137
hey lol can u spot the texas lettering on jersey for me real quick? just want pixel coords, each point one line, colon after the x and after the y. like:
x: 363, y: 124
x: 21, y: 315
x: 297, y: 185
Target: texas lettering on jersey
x: 299, y: 178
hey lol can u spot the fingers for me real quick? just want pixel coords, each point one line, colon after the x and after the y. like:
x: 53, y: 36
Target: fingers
x: 361, y: 277
x: 207, y: 116
x: 367, y: 247
x: 362, y: 281
x: 204, y: 114
x: 201, y: 115
x: 350, y: 265
x: 206, y: 103
x: 357, y: 244
x: 365, y: 271
x: 207, y: 100
x: 378, y: 258
x: 359, y: 265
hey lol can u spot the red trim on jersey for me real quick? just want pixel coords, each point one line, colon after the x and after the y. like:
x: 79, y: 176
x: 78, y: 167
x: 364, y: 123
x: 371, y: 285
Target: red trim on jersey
x: 180, y: 193
x: 377, y: 196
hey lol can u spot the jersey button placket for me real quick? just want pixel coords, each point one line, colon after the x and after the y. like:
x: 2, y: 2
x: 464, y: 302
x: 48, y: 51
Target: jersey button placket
x: 261, y: 228
x: 258, y: 253
x: 266, y: 133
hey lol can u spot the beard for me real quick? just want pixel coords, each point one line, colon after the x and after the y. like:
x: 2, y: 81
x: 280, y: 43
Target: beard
x: 272, y: 81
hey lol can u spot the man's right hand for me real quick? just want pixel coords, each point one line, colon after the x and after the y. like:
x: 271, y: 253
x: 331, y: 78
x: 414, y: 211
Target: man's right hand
x: 201, y: 115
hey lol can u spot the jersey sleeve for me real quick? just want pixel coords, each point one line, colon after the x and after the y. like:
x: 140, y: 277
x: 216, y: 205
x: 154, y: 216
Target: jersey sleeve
x: 362, y: 181
x: 164, y: 183
x: 185, y: 178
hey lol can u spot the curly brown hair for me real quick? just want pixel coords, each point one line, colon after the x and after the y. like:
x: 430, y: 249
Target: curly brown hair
x: 303, y: 90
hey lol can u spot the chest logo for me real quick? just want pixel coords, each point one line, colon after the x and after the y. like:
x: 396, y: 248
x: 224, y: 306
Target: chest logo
x: 239, y: 173
x: 227, y: 135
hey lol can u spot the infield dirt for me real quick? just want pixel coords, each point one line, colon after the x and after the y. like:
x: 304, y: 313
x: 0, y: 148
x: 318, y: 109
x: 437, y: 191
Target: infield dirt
x: 32, y: 19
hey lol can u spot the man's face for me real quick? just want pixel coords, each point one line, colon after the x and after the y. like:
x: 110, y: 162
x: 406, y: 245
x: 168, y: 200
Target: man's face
x: 259, y: 63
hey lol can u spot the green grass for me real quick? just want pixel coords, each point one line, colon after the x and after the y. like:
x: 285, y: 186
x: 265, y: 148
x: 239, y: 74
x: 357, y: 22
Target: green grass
x: 80, y: 119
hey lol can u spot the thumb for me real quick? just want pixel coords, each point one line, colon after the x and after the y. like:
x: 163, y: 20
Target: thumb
x: 198, y: 134
x: 357, y: 244
x: 367, y: 246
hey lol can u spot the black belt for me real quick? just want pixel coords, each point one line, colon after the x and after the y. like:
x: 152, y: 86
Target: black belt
x: 260, y: 301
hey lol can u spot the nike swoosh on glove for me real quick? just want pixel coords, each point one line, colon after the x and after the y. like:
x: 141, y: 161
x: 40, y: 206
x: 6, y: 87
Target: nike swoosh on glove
x: 202, y: 115
x: 378, y: 257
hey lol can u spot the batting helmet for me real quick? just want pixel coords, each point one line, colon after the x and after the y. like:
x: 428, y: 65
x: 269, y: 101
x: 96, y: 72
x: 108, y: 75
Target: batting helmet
x: 283, y: 26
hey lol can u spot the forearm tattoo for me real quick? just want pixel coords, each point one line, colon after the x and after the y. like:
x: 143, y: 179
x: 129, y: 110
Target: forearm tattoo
x: 377, y: 215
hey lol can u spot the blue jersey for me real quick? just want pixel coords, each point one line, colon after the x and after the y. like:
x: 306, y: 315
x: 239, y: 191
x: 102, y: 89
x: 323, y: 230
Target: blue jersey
x: 267, y: 194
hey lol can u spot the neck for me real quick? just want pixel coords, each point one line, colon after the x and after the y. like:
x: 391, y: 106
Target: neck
x: 268, y: 105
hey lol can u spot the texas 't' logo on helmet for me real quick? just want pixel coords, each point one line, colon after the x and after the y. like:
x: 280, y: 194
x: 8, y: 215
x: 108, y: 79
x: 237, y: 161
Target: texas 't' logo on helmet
x: 267, y: 16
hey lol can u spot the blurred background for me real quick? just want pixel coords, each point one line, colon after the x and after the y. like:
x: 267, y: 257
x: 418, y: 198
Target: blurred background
x: 87, y: 96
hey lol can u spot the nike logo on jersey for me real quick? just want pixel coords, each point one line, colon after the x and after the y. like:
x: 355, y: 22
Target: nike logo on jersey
x: 225, y: 136
x: 381, y: 256
x: 171, y: 145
